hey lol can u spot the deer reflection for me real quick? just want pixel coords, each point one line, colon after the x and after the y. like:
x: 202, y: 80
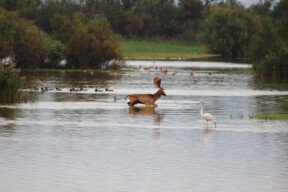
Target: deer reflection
x: 147, y: 110
x: 150, y: 111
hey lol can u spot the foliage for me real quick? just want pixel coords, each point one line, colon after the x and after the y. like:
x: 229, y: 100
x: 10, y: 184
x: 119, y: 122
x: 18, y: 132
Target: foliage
x: 280, y: 16
x: 270, y: 117
x: 262, y: 9
x: 93, y: 45
x: 268, y: 53
x: 269, y: 48
x: 23, y: 41
x: 10, y: 84
x: 227, y: 31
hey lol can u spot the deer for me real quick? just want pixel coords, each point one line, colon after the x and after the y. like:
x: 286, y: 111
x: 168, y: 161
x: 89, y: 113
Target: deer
x: 147, y: 99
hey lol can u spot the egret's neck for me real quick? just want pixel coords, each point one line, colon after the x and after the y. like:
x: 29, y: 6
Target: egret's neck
x: 201, y: 111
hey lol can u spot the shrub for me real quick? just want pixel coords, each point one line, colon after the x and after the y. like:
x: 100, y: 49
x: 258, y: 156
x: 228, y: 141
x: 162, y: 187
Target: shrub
x: 29, y: 46
x: 93, y: 45
x: 10, y: 84
x: 268, y: 52
x: 227, y: 31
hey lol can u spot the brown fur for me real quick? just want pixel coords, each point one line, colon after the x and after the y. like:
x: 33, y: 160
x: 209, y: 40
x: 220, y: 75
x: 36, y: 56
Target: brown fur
x: 147, y: 99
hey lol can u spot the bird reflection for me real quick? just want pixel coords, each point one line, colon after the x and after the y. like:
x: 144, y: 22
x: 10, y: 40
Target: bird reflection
x: 207, y: 135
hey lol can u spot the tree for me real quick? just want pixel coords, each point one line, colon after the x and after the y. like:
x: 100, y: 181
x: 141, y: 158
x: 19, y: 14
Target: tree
x: 25, y: 43
x: 93, y: 45
x: 280, y: 16
x: 228, y: 31
x: 262, y: 9
x: 268, y: 52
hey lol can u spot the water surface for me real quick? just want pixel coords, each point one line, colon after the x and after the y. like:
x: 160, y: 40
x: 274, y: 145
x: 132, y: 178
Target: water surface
x: 84, y: 141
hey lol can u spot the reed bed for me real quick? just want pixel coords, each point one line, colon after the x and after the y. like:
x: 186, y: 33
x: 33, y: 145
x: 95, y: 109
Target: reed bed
x: 270, y: 117
x: 10, y: 85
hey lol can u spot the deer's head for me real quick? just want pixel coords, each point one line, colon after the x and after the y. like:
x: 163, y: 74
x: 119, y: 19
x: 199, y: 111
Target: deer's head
x: 161, y: 92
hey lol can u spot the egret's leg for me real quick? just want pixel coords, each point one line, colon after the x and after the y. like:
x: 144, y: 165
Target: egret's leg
x: 207, y: 124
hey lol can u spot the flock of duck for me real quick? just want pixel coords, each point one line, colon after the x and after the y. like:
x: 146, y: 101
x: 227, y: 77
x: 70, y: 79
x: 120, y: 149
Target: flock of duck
x: 45, y: 89
x: 161, y: 70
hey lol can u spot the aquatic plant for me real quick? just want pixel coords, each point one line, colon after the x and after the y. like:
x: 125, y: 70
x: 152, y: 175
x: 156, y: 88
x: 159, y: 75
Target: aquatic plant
x: 10, y: 85
x: 270, y: 117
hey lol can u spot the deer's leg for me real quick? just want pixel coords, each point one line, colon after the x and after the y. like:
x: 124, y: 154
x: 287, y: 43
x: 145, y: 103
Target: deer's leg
x: 155, y: 105
x: 134, y: 103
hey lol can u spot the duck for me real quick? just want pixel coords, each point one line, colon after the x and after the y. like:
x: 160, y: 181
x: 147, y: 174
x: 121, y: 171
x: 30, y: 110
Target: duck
x: 58, y: 89
x: 43, y: 90
x: 98, y: 90
x: 48, y: 89
x: 174, y: 73
x: 192, y: 72
x: 72, y: 89
x: 115, y: 99
x: 82, y: 89
x: 109, y: 89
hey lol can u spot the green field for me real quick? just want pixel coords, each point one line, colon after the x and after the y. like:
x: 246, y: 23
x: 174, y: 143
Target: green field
x: 140, y: 49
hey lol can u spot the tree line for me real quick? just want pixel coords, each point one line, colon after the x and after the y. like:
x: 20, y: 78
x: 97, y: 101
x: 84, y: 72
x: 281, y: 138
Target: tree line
x: 87, y: 32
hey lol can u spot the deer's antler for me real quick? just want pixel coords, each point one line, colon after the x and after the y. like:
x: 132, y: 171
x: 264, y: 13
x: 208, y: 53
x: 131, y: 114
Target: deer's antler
x: 157, y: 82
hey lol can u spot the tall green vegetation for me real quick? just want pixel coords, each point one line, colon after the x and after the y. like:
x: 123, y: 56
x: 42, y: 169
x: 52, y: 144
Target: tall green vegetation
x: 89, y: 43
x: 10, y: 84
x: 84, y: 42
x: 92, y: 45
x: 259, y: 33
x: 269, y: 48
x: 227, y: 30
x: 25, y: 43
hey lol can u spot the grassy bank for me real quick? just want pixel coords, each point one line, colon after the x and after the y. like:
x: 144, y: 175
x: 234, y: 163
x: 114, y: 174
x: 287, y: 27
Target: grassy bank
x: 270, y: 117
x: 141, y: 49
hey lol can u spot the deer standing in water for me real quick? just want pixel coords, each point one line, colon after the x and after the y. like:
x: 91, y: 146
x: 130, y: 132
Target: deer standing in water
x: 147, y: 99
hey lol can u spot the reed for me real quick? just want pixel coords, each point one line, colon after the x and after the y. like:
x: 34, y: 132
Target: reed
x: 270, y: 117
x: 10, y: 85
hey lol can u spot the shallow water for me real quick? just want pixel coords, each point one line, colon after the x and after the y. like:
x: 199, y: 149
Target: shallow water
x: 84, y: 141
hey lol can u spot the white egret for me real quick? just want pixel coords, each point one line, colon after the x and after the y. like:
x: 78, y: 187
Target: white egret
x: 207, y: 116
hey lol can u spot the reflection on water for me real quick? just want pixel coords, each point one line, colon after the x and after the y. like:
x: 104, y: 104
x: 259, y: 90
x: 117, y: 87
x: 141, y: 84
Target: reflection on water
x: 147, y: 110
x: 85, y: 141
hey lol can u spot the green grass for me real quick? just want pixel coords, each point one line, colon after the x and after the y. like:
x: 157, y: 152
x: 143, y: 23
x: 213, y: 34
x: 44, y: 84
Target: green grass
x: 142, y: 49
x: 270, y: 117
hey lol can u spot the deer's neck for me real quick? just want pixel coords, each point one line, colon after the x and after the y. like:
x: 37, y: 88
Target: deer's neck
x: 157, y: 95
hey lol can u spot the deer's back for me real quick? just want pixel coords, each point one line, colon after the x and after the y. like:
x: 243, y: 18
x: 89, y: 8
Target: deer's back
x: 142, y: 98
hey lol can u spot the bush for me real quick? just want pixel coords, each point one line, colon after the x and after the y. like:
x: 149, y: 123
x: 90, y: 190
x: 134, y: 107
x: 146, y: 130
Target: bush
x: 227, y: 31
x: 92, y: 45
x: 10, y: 84
x: 268, y: 52
x: 29, y: 46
